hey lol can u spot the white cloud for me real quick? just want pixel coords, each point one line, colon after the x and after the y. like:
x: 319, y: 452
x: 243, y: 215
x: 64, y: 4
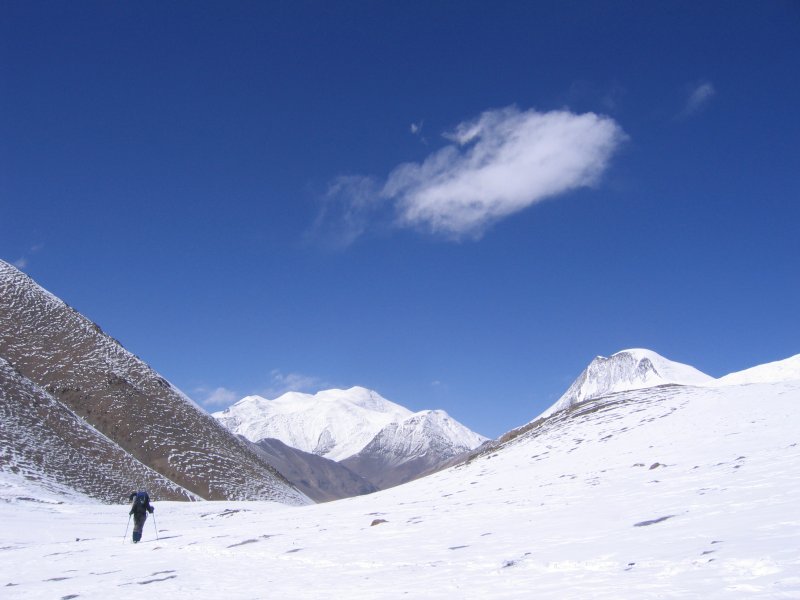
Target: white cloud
x: 496, y: 165
x: 499, y: 164
x: 291, y: 382
x: 218, y: 397
x: 698, y: 98
x: 21, y: 263
x: 280, y: 383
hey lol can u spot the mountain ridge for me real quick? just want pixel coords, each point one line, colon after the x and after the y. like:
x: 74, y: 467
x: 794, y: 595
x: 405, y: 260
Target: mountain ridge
x: 332, y: 423
x: 380, y: 440
x: 87, y: 371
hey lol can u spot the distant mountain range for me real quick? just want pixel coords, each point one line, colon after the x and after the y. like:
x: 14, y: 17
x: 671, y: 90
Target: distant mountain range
x: 382, y: 442
x: 82, y: 417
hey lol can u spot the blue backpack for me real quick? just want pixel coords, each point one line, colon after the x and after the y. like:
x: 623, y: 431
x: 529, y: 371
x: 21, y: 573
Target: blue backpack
x: 141, y: 501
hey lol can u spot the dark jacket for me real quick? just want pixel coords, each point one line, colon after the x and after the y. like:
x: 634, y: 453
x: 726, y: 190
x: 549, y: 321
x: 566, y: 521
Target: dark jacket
x: 138, y: 508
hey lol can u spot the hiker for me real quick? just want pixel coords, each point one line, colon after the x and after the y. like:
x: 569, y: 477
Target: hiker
x: 139, y: 509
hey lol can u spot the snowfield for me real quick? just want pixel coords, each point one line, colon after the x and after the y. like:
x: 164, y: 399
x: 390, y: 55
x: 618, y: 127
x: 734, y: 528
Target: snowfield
x: 665, y: 492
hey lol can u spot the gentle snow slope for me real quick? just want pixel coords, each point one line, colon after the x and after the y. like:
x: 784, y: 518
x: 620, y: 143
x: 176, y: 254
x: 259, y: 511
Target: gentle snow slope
x: 782, y: 370
x: 666, y: 492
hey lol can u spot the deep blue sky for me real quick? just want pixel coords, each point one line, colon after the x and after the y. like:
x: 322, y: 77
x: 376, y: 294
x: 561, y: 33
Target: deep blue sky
x: 168, y: 169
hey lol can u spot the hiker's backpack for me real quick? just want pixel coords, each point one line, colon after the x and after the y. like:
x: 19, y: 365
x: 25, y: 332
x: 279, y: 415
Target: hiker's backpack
x: 141, y: 501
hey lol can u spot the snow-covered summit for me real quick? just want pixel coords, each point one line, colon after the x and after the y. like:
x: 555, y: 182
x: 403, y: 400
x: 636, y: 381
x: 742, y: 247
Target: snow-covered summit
x: 426, y: 432
x: 774, y: 372
x: 379, y: 440
x: 631, y: 369
x: 430, y: 431
x: 403, y: 450
x: 331, y: 423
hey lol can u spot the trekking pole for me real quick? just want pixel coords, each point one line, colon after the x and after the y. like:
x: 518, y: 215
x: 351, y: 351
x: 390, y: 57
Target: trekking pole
x: 126, y: 529
x: 154, y: 523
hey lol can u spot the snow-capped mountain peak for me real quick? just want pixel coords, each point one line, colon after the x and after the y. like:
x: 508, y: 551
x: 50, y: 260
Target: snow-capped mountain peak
x: 331, y: 423
x: 403, y: 450
x: 423, y: 432
x: 626, y: 370
x: 381, y: 441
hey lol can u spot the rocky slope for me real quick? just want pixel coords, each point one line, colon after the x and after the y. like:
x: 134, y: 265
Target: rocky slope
x: 93, y: 376
x: 317, y: 477
x: 42, y: 441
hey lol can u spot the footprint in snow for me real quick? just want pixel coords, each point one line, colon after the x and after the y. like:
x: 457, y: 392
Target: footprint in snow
x: 243, y: 543
x: 652, y: 521
x: 157, y: 580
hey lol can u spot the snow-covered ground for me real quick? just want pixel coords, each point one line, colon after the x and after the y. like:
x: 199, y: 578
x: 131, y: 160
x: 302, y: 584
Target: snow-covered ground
x: 667, y: 492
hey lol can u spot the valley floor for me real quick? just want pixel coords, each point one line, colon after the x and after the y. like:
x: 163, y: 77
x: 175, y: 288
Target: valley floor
x: 665, y: 493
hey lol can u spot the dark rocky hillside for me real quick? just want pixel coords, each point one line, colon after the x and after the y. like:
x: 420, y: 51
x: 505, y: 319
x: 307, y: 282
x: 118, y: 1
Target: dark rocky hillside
x: 93, y: 376
x: 317, y: 477
x: 44, y: 442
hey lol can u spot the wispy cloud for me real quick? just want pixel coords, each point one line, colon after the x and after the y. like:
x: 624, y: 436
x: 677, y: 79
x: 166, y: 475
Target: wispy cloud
x: 291, y: 382
x: 495, y: 165
x: 349, y: 208
x: 416, y: 130
x: 699, y: 96
x: 25, y: 260
x: 280, y: 383
x: 219, y: 397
